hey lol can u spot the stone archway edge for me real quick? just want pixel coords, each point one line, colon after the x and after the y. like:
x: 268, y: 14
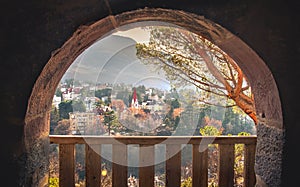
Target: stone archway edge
x: 264, y: 87
x: 87, y: 35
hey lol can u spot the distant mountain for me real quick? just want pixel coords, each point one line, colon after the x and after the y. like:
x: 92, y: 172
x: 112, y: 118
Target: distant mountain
x: 113, y: 60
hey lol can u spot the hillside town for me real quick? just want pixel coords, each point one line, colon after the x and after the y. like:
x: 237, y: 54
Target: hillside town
x: 105, y: 109
x: 120, y: 109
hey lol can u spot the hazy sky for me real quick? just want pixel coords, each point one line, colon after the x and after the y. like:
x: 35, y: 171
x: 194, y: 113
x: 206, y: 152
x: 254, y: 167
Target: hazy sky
x: 113, y: 60
x: 138, y: 34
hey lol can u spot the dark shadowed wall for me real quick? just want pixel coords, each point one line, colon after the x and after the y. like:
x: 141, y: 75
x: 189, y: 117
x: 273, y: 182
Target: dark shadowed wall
x: 31, y: 30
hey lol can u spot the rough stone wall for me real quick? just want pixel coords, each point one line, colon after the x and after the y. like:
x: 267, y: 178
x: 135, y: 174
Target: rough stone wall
x: 268, y: 156
x: 37, y: 152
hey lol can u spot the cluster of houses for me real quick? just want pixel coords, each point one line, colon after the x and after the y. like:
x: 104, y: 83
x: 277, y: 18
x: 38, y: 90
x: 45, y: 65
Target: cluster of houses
x: 80, y: 122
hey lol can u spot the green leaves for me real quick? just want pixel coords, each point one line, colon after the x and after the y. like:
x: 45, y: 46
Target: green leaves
x: 210, y: 131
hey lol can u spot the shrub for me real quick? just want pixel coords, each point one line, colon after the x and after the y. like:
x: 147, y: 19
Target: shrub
x: 53, y: 182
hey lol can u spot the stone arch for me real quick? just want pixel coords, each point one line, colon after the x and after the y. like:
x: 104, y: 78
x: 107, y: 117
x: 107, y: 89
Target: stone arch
x: 270, y: 129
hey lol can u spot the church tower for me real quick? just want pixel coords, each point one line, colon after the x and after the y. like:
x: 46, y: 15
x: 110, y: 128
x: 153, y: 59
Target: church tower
x: 134, y: 102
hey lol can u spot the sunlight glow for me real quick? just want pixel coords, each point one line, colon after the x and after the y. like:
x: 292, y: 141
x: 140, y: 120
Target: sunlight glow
x: 138, y: 34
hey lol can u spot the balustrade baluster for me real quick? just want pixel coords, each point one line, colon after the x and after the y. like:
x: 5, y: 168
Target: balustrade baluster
x: 200, y: 166
x: 92, y: 165
x: 147, y: 152
x: 226, y: 165
x: 249, y: 174
x: 146, y: 170
x: 173, y: 165
x: 119, y: 165
x: 66, y: 165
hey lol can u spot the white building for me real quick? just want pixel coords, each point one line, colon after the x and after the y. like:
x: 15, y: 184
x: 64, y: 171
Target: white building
x: 90, y: 103
x: 56, y: 100
x: 80, y: 121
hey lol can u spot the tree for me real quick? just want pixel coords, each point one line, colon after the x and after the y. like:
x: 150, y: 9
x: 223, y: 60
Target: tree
x: 111, y: 120
x: 141, y: 89
x: 78, y: 106
x: 172, y: 117
x: 63, y: 127
x: 211, y: 129
x: 99, y: 104
x: 118, y: 105
x: 54, y: 118
x: 65, y: 107
x: 58, y: 92
x: 234, y: 122
x: 187, y: 57
x: 104, y: 93
x: 175, y: 103
x: 124, y: 95
x: 69, y: 82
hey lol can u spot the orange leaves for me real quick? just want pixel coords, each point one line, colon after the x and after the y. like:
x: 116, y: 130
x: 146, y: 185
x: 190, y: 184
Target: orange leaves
x: 118, y: 104
x: 138, y: 113
x: 177, y: 112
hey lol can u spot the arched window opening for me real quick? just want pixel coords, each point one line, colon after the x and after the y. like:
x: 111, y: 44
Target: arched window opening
x: 146, y: 76
x: 152, y: 78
